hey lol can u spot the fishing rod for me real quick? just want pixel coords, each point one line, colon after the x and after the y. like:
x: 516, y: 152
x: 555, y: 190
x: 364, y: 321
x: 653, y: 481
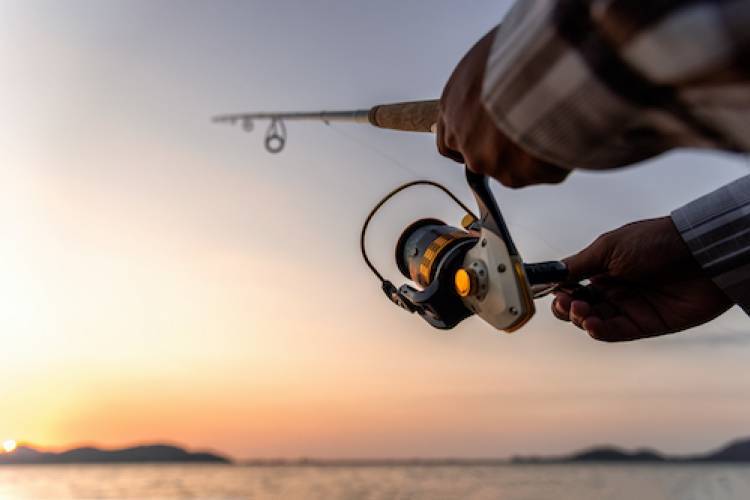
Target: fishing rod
x: 414, y: 116
x: 458, y: 272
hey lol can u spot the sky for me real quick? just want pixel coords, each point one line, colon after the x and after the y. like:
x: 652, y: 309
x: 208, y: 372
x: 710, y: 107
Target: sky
x: 163, y: 278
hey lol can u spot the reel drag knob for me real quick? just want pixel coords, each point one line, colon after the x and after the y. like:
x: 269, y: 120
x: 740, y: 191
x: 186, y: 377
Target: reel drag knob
x: 465, y: 282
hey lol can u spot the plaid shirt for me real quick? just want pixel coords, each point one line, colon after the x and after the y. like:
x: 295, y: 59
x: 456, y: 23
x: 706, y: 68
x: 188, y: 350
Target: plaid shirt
x: 606, y: 83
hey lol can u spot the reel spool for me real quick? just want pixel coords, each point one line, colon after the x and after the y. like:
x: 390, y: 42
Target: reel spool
x: 424, y: 245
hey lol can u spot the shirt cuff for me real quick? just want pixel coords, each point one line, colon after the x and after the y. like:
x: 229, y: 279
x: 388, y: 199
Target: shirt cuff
x: 716, y: 228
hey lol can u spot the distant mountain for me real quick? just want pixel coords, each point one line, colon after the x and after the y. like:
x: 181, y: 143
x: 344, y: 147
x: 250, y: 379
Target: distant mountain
x: 734, y: 452
x: 616, y: 455
x: 599, y: 454
x: 136, y: 454
x: 737, y: 451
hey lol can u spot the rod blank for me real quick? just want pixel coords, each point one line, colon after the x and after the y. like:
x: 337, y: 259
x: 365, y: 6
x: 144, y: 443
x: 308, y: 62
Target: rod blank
x: 413, y: 116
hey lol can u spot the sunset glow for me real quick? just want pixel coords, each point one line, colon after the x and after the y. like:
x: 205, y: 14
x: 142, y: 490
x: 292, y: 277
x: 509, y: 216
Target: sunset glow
x: 165, y: 279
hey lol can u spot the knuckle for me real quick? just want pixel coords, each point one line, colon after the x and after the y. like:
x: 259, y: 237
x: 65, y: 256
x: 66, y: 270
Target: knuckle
x: 513, y: 177
x: 478, y: 165
x: 600, y: 337
x: 508, y: 179
x: 450, y: 139
x: 554, y: 173
x: 445, y: 146
x: 557, y: 314
x: 541, y: 172
x: 604, y: 240
x: 441, y: 147
x: 555, y: 178
x: 606, y: 336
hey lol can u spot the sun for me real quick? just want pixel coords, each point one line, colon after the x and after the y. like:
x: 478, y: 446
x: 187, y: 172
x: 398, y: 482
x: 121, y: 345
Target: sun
x: 9, y: 445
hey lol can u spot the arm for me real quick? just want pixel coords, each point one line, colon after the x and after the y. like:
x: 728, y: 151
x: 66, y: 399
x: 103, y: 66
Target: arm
x: 597, y: 84
x: 666, y: 275
x: 716, y: 229
x: 647, y: 283
x: 602, y: 84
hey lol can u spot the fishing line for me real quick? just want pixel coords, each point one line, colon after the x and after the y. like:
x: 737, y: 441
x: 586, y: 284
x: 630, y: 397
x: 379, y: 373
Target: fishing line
x: 416, y: 116
x: 365, y: 145
x: 536, y: 234
x: 461, y: 272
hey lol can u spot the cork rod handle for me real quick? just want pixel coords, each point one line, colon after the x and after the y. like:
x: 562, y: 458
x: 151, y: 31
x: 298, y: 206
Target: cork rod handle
x: 414, y: 116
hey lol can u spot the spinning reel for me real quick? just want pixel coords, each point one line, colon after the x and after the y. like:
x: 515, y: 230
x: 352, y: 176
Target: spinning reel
x: 458, y: 272
x: 461, y: 272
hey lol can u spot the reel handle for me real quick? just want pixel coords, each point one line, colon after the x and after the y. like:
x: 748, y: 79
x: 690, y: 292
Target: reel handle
x: 541, y: 273
x: 585, y: 293
x: 551, y: 276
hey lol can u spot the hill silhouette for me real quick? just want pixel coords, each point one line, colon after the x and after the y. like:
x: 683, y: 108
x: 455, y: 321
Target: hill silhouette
x: 736, y: 451
x: 135, y: 454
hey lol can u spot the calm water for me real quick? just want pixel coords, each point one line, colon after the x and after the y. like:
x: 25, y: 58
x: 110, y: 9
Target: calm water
x: 578, y: 482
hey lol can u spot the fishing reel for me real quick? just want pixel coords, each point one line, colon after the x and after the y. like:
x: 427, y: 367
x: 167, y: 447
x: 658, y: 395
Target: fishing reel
x: 475, y: 269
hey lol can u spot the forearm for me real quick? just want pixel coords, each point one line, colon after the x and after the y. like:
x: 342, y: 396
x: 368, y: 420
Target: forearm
x: 716, y: 228
x: 597, y: 84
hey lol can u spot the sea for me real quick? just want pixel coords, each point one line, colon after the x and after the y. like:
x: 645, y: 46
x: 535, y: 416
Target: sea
x: 503, y: 482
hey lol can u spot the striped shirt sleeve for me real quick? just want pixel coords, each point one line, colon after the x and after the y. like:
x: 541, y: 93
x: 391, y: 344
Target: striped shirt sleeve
x: 607, y: 83
x: 716, y: 228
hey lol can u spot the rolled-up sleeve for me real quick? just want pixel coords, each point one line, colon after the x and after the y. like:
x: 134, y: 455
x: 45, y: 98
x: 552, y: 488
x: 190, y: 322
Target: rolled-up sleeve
x: 607, y: 83
x: 716, y: 228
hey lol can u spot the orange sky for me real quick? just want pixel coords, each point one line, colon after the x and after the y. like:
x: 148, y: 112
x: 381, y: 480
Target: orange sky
x: 163, y: 278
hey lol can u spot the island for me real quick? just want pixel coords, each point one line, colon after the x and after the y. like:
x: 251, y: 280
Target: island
x: 87, y: 455
x: 735, y: 452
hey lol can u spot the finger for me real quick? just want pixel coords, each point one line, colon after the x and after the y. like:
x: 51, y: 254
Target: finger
x: 593, y: 324
x: 507, y: 171
x: 442, y: 144
x: 510, y: 179
x: 613, y: 291
x: 619, y: 300
x: 617, y: 329
x: 641, y: 312
x: 579, y: 311
x: 561, y: 306
x: 591, y: 261
x: 605, y: 310
x: 605, y: 281
x: 550, y: 174
x: 535, y: 173
x: 621, y: 297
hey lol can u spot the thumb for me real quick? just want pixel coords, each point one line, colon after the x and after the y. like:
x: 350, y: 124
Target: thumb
x: 591, y: 261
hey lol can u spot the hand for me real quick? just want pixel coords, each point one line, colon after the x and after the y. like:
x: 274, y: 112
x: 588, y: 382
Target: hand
x: 467, y: 134
x: 649, y: 283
